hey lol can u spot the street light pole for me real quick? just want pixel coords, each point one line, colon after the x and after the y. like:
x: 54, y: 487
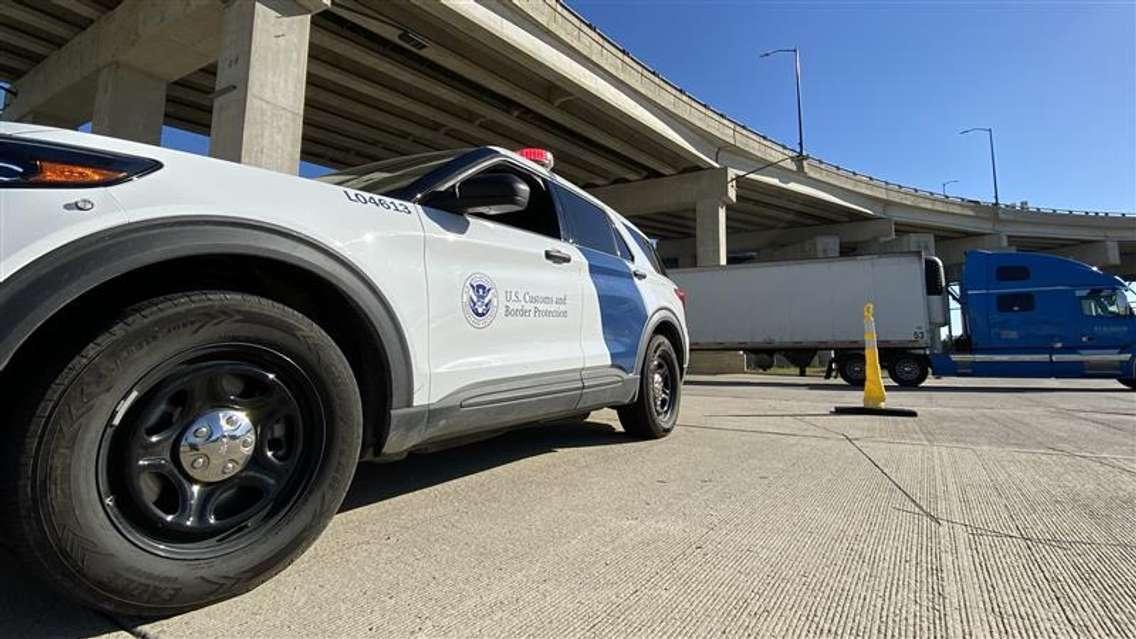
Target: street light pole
x: 945, y: 186
x: 993, y: 164
x: 800, y: 118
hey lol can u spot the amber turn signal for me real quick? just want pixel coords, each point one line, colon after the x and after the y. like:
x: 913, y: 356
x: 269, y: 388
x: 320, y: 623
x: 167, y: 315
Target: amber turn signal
x: 74, y: 174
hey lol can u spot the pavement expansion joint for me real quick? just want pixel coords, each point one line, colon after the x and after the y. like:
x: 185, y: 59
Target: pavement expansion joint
x: 901, y: 489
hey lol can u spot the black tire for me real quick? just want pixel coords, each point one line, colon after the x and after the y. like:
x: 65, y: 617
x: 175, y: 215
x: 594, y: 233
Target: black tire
x: 96, y: 463
x: 654, y: 412
x: 851, y: 370
x: 908, y: 370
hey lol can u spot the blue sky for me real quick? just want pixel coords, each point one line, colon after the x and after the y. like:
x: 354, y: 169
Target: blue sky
x: 888, y: 85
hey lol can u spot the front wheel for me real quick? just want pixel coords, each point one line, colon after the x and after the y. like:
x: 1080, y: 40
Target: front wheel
x: 185, y: 456
x: 654, y: 413
x: 908, y: 370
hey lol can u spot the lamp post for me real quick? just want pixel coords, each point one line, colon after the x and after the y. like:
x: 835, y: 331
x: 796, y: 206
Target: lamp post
x: 993, y: 165
x: 800, y: 120
x: 945, y: 186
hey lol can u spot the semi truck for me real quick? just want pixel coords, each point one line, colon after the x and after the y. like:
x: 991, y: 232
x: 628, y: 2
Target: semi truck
x: 1021, y: 315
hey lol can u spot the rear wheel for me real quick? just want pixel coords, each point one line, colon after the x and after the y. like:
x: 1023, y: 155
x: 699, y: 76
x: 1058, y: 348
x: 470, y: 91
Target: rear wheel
x: 908, y: 370
x: 655, y: 411
x: 851, y: 369
x: 186, y: 455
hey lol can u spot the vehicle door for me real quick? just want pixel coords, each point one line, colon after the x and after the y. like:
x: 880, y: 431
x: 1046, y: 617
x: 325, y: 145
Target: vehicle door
x: 614, y: 313
x: 1100, y: 335
x: 505, y: 307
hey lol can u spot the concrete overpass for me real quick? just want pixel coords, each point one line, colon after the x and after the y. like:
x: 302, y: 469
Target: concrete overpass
x: 343, y: 82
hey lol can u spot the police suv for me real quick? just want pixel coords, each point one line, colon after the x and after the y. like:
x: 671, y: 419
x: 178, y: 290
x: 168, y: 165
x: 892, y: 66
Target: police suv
x: 194, y: 355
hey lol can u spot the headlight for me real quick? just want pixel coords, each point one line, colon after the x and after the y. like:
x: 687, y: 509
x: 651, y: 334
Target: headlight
x: 34, y: 164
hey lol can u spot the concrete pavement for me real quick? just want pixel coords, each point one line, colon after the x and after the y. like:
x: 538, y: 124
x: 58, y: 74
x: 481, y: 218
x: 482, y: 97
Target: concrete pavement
x: 1007, y: 508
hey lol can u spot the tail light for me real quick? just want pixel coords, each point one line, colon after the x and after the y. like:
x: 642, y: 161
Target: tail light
x: 681, y: 294
x: 34, y: 164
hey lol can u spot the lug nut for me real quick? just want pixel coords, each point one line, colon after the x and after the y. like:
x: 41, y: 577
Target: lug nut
x: 202, y: 432
x: 199, y: 462
x: 229, y: 467
x: 247, y: 442
x: 232, y: 420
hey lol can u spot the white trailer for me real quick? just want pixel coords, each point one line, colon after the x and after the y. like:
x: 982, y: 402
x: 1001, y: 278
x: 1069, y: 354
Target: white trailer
x: 800, y: 307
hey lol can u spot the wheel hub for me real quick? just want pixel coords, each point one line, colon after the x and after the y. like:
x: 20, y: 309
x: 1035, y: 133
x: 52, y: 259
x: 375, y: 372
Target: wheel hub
x: 217, y: 445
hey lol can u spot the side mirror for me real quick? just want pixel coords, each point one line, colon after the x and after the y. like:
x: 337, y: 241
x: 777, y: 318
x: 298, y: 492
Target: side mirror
x: 487, y: 194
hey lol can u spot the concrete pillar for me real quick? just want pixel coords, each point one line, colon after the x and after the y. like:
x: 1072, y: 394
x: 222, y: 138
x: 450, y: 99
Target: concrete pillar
x: 909, y: 242
x: 1099, y: 254
x: 710, y: 232
x: 817, y: 247
x: 258, y: 111
x: 43, y: 118
x: 954, y: 251
x: 129, y: 104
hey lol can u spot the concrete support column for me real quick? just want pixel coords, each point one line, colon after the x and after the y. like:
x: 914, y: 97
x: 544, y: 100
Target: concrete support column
x: 710, y: 232
x: 910, y: 242
x: 129, y: 104
x: 258, y: 112
x: 812, y: 248
x: 1099, y: 254
x: 954, y: 251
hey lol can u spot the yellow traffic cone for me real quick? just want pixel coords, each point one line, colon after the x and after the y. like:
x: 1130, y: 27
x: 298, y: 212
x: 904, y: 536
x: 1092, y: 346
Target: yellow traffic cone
x: 874, y: 395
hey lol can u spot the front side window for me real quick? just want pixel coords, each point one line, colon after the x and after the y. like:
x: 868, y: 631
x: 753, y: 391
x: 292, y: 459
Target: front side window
x: 1105, y: 304
x: 1015, y: 303
x: 587, y: 223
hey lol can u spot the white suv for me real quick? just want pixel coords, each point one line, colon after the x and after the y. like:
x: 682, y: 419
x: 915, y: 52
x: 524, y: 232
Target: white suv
x: 196, y: 354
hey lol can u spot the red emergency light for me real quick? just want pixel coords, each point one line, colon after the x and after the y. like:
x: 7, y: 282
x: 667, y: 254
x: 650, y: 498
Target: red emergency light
x: 542, y: 157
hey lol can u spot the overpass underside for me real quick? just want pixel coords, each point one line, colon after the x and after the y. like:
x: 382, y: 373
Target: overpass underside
x: 347, y: 82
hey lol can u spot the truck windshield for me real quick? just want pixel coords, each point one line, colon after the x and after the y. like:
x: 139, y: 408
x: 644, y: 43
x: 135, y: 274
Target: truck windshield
x: 387, y: 176
x: 1105, y: 304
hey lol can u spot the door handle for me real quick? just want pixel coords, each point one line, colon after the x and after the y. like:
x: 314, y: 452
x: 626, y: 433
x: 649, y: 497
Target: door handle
x: 556, y: 256
x: 639, y: 275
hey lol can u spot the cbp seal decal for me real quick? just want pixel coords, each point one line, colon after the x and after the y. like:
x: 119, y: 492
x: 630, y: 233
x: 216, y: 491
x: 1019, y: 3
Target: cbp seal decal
x: 479, y: 300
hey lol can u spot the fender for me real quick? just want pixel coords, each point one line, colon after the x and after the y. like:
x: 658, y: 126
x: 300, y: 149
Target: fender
x: 36, y: 292
x: 658, y: 317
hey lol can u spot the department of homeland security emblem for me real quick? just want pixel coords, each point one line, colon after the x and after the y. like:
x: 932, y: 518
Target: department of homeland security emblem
x: 479, y: 300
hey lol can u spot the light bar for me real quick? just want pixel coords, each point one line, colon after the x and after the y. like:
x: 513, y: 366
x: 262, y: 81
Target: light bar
x: 542, y: 157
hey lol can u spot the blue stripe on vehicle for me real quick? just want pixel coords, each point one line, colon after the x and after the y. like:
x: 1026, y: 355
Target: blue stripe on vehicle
x: 623, y: 314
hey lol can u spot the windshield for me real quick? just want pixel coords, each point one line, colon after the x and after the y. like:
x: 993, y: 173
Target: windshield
x: 387, y: 176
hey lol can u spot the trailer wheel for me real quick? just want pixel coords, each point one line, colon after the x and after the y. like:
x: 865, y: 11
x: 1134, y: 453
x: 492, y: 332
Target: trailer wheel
x: 851, y: 369
x: 908, y: 371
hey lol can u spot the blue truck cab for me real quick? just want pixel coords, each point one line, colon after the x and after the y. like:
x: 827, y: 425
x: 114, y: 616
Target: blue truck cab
x: 1036, y: 315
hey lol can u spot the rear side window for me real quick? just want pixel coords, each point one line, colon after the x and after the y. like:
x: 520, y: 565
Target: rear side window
x: 1012, y: 273
x: 1015, y: 303
x: 587, y: 223
x: 648, y: 249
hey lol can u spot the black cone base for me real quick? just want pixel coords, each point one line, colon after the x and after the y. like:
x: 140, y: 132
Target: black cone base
x: 861, y: 410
